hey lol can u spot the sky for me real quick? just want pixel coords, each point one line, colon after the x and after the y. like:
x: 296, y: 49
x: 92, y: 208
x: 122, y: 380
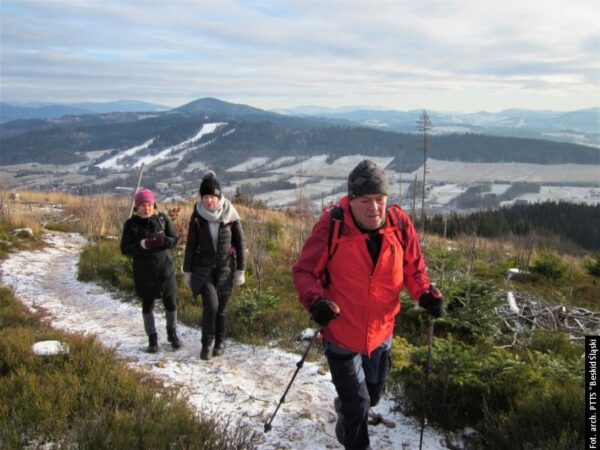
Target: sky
x: 246, y: 383
x: 443, y: 55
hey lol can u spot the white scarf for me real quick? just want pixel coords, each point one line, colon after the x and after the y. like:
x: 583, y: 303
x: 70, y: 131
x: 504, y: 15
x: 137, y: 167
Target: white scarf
x: 225, y: 212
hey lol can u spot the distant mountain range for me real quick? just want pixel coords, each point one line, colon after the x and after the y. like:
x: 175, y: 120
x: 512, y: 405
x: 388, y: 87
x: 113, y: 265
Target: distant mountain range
x: 10, y: 112
x: 97, y: 152
x: 580, y: 126
x: 265, y: 133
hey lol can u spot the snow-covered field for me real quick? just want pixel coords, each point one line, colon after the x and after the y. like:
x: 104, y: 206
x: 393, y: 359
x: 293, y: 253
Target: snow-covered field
x: 243, y: 386
x: 467, y: 173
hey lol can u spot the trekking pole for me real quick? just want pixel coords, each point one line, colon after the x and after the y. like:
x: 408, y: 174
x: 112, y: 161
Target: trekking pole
x: 139, y: 181
x: 299, y: 365
x: 426, y: 388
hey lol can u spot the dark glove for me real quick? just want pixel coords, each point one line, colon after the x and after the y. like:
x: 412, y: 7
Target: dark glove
x: 324, y: 311
x: 154, y: 242
x: 433, y: 302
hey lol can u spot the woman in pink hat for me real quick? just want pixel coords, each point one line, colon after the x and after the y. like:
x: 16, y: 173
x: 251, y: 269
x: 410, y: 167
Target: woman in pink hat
x: 148, y: 237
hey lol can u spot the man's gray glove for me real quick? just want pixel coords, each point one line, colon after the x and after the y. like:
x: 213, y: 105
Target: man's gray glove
x: 433, y: 302
x: 324, y: 311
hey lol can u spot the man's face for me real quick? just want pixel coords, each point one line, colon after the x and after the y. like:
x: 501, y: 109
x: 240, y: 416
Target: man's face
x: 369, y: 210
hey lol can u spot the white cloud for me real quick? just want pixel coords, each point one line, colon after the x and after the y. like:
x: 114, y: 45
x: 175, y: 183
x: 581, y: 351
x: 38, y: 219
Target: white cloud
x: 455, y: 55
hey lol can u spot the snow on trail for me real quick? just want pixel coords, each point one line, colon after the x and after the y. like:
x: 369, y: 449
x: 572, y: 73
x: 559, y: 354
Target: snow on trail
x: 244, y: 385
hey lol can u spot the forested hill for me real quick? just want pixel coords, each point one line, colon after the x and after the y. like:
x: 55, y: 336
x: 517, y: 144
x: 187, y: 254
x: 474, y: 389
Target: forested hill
x: 467, y: 147
x: 577, y: 222
x: 249, y: 133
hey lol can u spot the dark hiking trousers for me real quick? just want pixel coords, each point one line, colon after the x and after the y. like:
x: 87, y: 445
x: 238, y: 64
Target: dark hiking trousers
x: 213, y: 314
x: 169, y: 303
x: 359, y: 382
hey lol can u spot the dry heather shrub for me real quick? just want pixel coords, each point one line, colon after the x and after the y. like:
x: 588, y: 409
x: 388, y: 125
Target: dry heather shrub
x: 18, y: 213
x: 89, y: 215
x: 180, y: 214
x: 98, y: 215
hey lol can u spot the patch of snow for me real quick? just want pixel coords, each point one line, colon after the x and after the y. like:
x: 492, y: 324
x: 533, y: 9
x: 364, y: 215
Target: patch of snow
x: 512, y: 304
x: 282, y: 161
x: 498, y: 188
x: 249, y: 164
x: 207, y: 128
x: 443, y: 194
x: 196, y: 167
x: 450, y: 130
x: 95, y: 154
x: 375, y: 123
x: 243, y: 386
x: 114, y: 162
x: 468, y: 173
x: 50, y: 348
x: 324, y: 189
x: 280, y: 198
x: 574, y: 194
x: 578, y: 138
x: 340, y: 168
x: 253, y: 181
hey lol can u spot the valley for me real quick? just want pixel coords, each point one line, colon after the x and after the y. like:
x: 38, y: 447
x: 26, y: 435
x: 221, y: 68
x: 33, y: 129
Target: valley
x: 284, y: 160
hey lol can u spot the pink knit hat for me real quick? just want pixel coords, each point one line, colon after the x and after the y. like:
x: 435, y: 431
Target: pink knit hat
x: 143, y: 195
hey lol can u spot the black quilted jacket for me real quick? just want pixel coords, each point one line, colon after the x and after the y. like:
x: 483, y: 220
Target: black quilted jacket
x: 201, y: 258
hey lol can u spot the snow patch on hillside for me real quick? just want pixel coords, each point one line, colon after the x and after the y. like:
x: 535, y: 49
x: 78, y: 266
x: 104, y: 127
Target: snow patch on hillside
x: 249, y: 164
x: 115, y: 162
x: 176, y: 151
x: 207, y: 128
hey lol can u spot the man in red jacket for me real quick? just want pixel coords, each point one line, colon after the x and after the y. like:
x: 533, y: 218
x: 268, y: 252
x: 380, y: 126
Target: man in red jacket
x: 349, y: 276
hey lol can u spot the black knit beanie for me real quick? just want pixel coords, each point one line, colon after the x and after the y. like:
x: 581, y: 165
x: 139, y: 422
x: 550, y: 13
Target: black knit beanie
x: 210, y: 185
x: 366, y: 178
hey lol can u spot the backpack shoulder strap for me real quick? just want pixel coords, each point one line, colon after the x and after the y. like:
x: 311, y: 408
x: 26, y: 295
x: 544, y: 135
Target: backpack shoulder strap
x: 336, y: 215
x: 398, y: 224
x: 336, y: 223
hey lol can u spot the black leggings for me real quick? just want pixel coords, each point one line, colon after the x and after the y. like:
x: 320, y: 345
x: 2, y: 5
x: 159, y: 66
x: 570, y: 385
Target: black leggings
x: 169, y: 303
x: 213, y: 314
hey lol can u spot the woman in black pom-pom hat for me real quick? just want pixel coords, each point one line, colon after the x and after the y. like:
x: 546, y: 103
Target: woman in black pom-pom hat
x: 214, y: 260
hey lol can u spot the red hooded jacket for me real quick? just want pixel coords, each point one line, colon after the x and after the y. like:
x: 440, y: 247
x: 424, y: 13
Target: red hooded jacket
x: 367, y: 294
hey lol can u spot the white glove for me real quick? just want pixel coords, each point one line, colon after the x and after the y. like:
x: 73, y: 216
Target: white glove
x: 239, y: 278
x: 187, y: 280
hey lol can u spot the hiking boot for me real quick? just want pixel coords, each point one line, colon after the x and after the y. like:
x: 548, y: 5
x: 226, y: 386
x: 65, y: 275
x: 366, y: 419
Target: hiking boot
x: 152, y: 343
x: 172, y: 338
x: 219, y: 349
x: 205, y: 353
x: 339, y: 424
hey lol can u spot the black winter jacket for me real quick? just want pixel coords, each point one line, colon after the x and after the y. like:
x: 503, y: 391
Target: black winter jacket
x: 201, y: 257
x: 153, y: 270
